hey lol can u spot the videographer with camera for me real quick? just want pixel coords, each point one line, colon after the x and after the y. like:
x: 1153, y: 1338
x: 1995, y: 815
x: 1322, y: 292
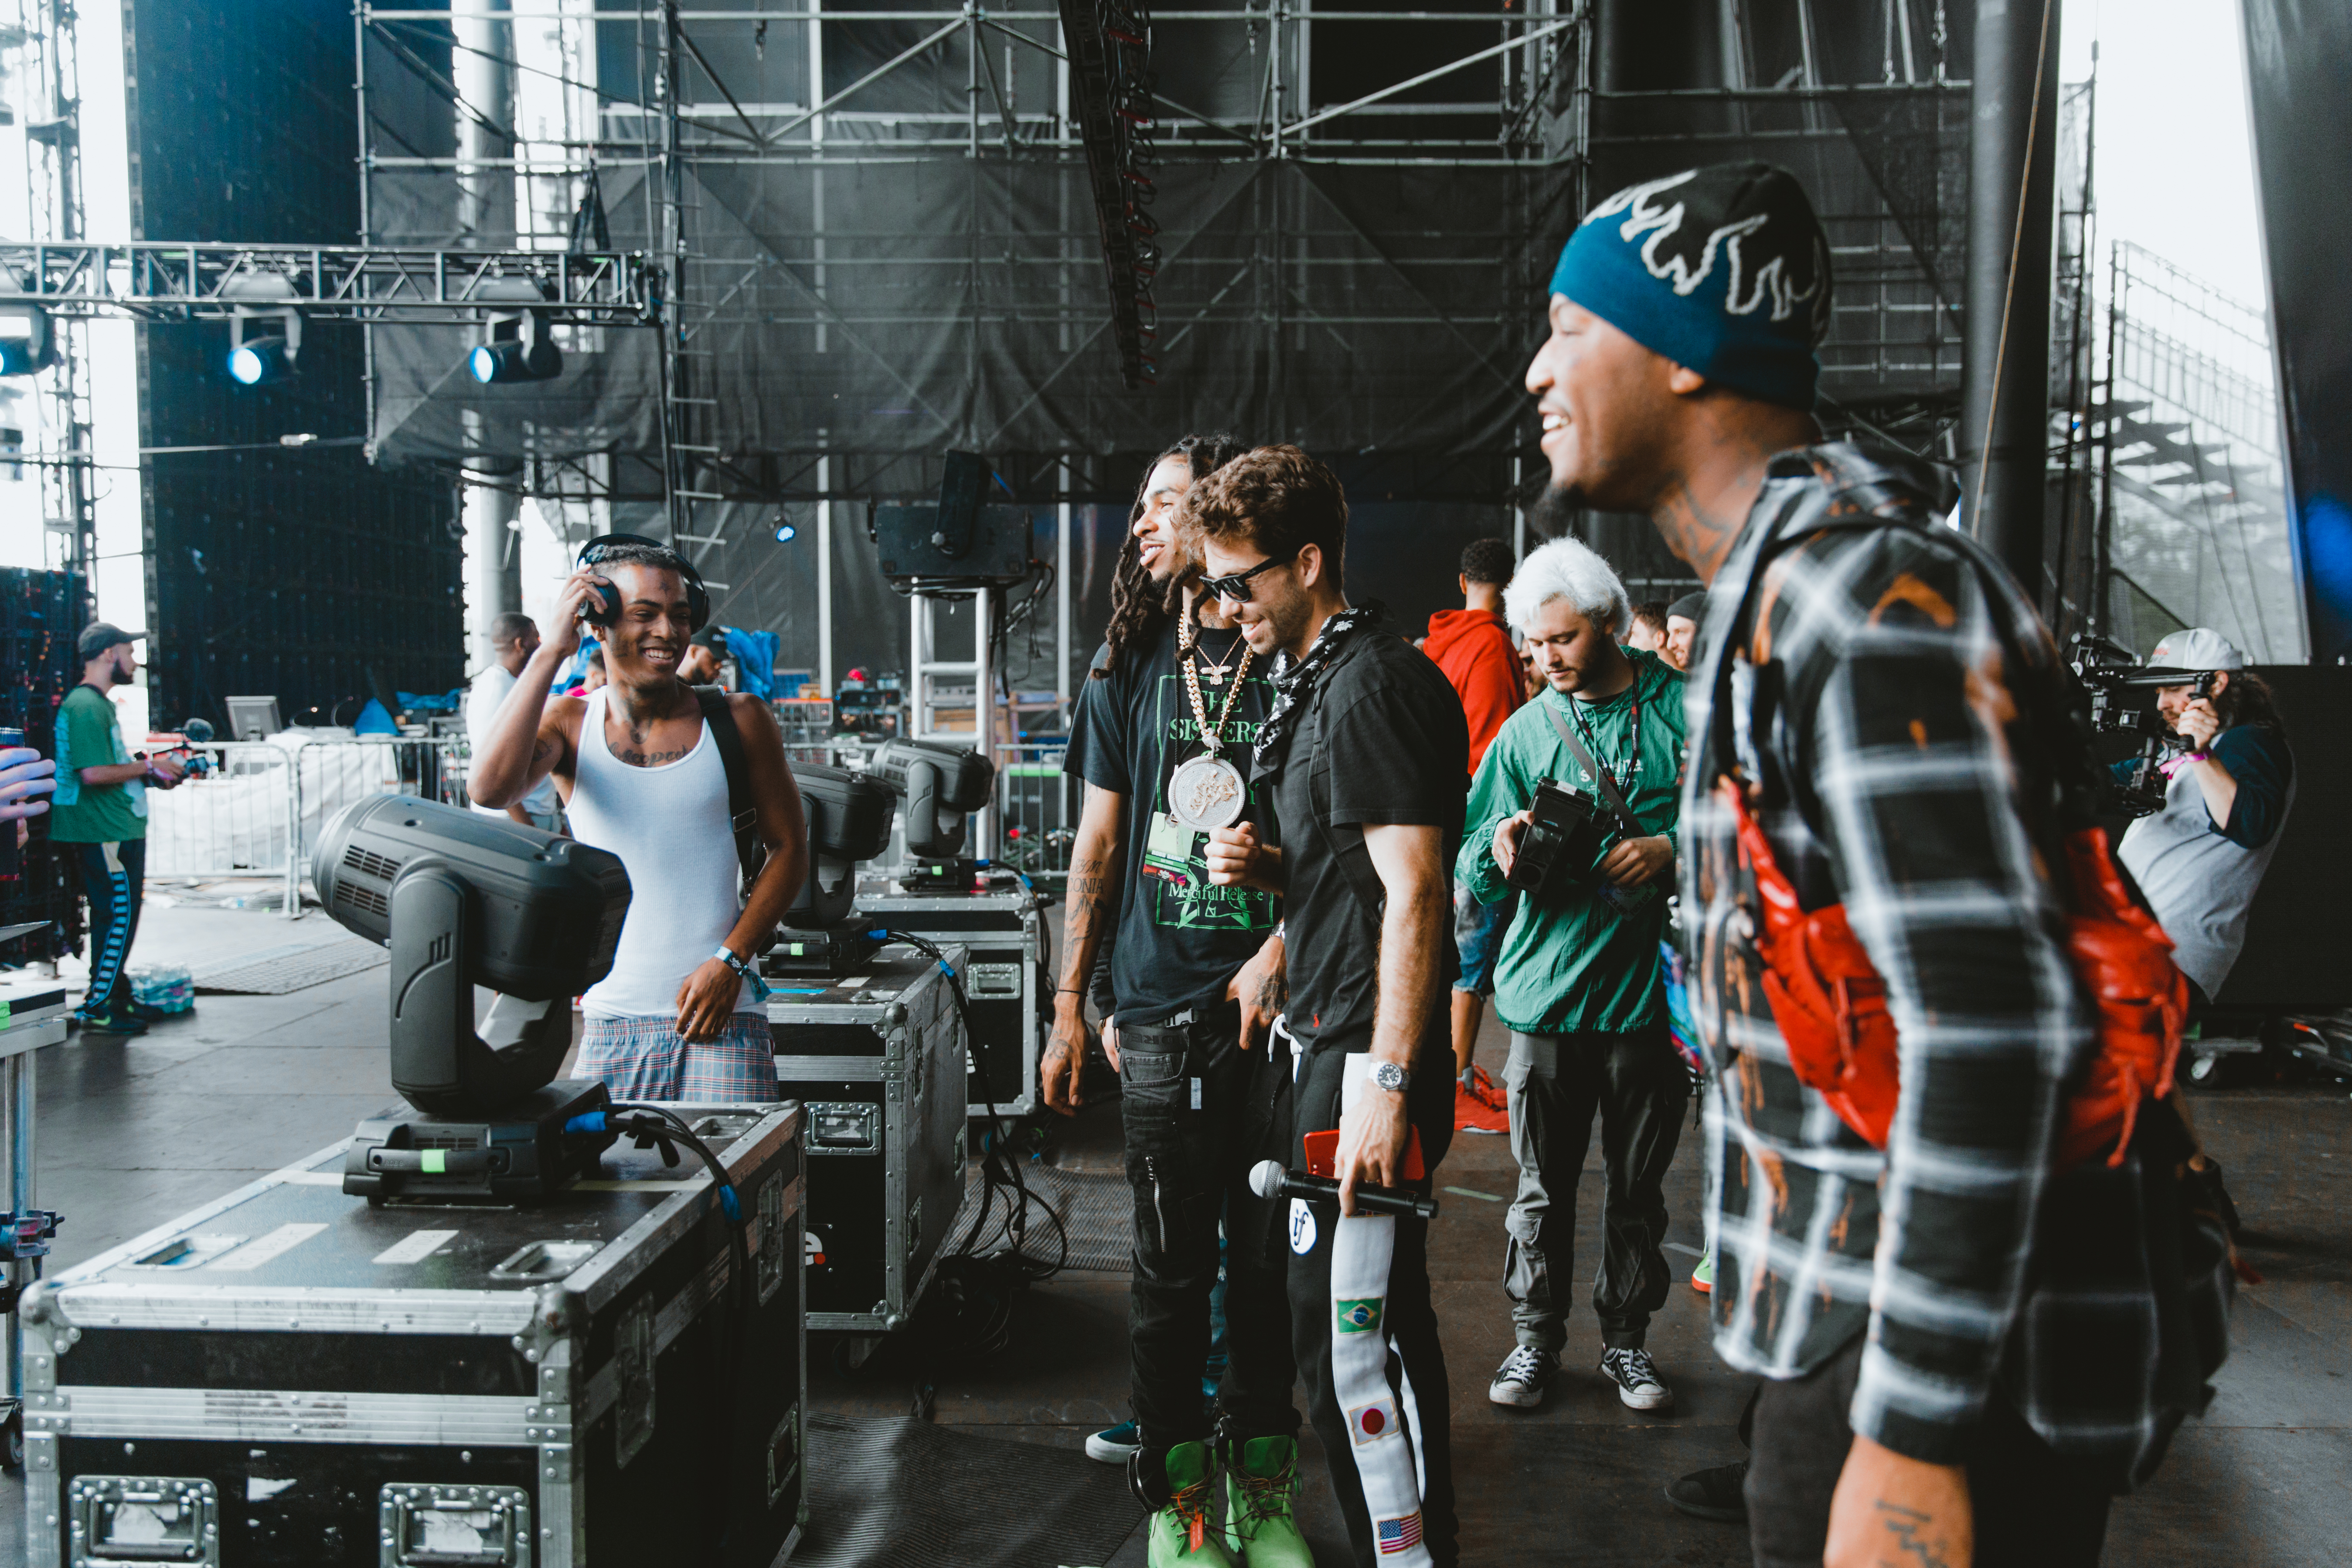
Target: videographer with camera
x: 2201, y: 857
x: 1575, y: 807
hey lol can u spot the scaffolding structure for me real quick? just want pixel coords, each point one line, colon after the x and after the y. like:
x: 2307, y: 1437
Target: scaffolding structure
x: 40, y: 46
x: 2194, y: 522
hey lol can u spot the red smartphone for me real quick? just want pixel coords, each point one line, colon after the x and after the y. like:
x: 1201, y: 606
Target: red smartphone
x: 1323, y: 1153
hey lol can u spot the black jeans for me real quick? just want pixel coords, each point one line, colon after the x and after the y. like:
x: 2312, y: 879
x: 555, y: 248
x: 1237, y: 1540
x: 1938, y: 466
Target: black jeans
x: 1555, y: 1084
x: 1413, y: 1404
x: 113, y: 878
x: 2034, y: 1509
x: 1199, y: 1112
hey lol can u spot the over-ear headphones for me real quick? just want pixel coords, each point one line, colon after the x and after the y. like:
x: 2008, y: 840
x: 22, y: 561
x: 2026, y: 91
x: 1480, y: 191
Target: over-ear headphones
x: 698, y: 597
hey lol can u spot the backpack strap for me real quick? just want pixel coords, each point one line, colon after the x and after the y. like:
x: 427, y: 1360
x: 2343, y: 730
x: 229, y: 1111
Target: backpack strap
x: 742, y: 815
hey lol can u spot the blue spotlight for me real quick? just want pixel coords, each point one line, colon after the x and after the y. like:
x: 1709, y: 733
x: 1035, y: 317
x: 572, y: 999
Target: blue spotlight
x: 513, y: 359
x: 260, y: 361
x: 786, y: 533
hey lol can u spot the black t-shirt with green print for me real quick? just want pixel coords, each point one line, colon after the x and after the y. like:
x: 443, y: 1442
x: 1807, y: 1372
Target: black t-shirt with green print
x: 1178, y: 939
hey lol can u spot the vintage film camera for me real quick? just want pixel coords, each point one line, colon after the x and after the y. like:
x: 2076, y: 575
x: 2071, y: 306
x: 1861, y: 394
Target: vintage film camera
x: 1564, y: 842
x: 2124, y: 724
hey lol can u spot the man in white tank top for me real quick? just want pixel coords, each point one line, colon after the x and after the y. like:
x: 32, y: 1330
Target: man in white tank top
x: 640, y: 775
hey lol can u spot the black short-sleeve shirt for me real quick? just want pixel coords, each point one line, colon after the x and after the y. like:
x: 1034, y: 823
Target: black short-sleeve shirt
x: 1178, y: 939
x: 1382, y: 741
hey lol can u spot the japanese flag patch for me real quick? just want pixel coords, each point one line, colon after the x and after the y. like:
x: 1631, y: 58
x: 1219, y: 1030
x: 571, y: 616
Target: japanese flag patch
x: 1371, y: 1423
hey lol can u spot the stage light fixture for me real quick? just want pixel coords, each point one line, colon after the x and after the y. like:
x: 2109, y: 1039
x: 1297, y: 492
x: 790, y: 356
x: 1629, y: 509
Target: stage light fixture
x: 28, y: 342
x: 786, y: 533
x: 264, y: 341
x: 257, y: 362
x: 517, y: 344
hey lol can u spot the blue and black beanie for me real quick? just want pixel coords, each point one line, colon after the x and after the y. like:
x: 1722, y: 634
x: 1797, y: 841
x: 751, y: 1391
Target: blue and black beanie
x: 1724, y: 271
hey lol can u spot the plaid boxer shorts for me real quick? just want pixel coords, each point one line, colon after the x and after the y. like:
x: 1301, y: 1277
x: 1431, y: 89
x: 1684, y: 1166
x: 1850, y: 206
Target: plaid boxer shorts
x: 645, y: 1058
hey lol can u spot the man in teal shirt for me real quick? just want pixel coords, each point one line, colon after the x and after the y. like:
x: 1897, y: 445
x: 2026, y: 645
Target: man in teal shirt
x: 99, y: 817
x: 1577, y: 981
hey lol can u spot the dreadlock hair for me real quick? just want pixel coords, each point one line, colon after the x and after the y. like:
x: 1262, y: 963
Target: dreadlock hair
x: 1138, y: 605
x: 2247, y: 700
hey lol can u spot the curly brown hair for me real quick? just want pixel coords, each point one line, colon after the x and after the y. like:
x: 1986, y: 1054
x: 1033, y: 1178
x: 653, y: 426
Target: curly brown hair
x: 1138, y: 605
x: 1277, y: 498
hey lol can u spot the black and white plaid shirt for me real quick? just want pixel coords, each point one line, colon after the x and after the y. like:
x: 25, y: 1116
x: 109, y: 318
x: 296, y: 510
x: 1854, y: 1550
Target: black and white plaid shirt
x: 1889, y: 714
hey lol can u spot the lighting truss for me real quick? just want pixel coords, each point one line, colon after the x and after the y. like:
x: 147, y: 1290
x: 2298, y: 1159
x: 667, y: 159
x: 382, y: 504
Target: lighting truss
x: 170, y: 282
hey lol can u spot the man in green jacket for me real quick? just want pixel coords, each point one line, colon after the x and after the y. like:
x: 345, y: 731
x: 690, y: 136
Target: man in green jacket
x: 1578, y: 983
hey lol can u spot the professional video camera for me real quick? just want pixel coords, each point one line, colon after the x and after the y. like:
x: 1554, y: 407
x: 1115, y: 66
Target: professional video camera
x: 943, y: 784
x: 2124, y: 723
x: 194, y: 764
x: 465, y: 899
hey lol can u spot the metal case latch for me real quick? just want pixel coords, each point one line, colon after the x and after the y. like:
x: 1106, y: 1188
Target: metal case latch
x: 121, y: 1521
x: 484, y: 1526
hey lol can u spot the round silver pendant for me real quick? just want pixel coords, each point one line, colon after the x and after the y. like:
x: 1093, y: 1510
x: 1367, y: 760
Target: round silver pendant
x: 1206, y: 792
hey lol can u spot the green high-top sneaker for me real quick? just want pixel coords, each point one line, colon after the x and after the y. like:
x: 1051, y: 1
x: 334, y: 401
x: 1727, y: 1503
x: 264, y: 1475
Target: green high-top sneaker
x: 1261, y: 1479
x: 1182, y: 1535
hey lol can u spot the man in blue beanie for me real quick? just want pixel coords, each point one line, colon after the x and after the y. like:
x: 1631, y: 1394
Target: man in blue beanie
x: 1964, y: 1339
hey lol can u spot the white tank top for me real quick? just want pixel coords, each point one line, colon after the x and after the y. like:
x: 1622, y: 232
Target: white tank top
x: 670, y: 827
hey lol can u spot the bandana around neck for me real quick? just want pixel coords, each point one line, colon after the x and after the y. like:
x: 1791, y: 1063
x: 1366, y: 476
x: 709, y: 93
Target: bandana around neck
x: 1294, y: 682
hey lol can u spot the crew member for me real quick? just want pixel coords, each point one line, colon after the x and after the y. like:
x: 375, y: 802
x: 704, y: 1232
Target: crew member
x: 704, y: 655
x: 2200, y: 859
x: 101, y: 810
x: 641, y: 775
x: 514, y: 637
x: 1647, y: 630
x: 1682, y: 624
x: 1473, y: 646
x: 1577, y: 981
x: 1960, y: 1338
x: 1361, y: 766
x: 1161, y: 737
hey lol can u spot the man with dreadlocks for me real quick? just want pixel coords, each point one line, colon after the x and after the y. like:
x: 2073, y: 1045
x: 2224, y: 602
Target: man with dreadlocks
x: 1163, y: 736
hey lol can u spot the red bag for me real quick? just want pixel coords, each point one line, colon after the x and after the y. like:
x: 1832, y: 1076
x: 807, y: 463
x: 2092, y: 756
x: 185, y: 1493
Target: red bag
x: 1831, y: 1003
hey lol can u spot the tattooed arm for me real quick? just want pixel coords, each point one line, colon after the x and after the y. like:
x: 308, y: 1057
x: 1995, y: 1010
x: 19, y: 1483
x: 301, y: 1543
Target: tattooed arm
x: 1092, y: 901
x: 1261, y: 987
x: 1890, y: 1512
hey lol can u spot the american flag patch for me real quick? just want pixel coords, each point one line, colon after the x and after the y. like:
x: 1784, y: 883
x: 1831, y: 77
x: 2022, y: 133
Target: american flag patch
x: 1400, y: 1534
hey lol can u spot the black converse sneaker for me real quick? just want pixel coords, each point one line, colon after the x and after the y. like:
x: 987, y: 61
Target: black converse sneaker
x: 1637, y: 1380
x: 1521, y: 1379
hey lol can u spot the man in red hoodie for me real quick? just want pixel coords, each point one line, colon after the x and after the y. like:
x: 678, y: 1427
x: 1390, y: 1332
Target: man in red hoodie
x: 1473, y: 646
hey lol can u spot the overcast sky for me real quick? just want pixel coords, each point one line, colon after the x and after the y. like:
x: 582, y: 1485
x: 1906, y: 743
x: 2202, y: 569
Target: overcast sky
x: 2175, y: 170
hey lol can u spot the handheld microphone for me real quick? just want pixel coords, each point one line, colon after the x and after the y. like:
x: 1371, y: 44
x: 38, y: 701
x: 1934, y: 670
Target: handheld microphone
x: 1269, y: 1180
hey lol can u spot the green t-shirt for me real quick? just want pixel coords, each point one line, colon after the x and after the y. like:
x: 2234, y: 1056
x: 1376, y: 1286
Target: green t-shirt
x: 89, y: 735
x: 1575, y: 963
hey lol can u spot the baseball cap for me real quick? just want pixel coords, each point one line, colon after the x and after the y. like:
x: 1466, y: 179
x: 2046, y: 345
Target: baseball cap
x: 713, y: 637
x: 99, y: 636
x: 2191, y: 652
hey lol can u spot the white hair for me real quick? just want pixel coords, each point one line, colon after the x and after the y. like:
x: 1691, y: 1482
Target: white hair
x: 1571, y: 570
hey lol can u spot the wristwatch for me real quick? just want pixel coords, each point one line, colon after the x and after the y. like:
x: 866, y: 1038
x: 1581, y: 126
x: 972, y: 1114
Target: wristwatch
x: 1390, y: 1076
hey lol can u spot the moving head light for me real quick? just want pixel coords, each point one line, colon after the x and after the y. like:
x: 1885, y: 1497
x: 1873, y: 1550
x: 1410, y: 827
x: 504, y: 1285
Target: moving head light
x: 943, y: 784
x: 464, y: 899
x: 848, y: 821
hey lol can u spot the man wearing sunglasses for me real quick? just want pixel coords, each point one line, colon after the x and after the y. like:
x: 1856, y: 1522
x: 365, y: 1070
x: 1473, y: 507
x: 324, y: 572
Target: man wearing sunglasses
x: 1359, y: 773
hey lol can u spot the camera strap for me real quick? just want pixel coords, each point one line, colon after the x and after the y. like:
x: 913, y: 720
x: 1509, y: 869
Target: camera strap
x: 1610, y: 796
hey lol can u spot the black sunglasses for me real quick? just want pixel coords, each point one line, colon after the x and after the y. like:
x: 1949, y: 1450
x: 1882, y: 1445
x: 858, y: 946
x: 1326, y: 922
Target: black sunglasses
x: 1237, y: 587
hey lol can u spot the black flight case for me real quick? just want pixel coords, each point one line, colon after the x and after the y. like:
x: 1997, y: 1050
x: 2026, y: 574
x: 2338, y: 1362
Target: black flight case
x: 291, y: 1377
x: 878, y: 1057
x: 1003, y: 930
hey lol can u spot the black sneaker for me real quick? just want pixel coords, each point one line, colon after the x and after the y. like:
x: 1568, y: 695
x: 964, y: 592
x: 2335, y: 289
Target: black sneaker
x: 110, y: 1021
x: 146, y: 1015
x: 1639, y: 1386
x: 1719, y: 1493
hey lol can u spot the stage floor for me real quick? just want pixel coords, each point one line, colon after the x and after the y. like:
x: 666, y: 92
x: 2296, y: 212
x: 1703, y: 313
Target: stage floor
x: 132, y: 1132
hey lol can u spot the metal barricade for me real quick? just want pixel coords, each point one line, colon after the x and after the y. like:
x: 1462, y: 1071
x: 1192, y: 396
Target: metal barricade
x: 258, y: 810
x: 1038, y: 811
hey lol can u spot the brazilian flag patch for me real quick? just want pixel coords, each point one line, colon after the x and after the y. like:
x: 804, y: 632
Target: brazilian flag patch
x: 1360, y: 1317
